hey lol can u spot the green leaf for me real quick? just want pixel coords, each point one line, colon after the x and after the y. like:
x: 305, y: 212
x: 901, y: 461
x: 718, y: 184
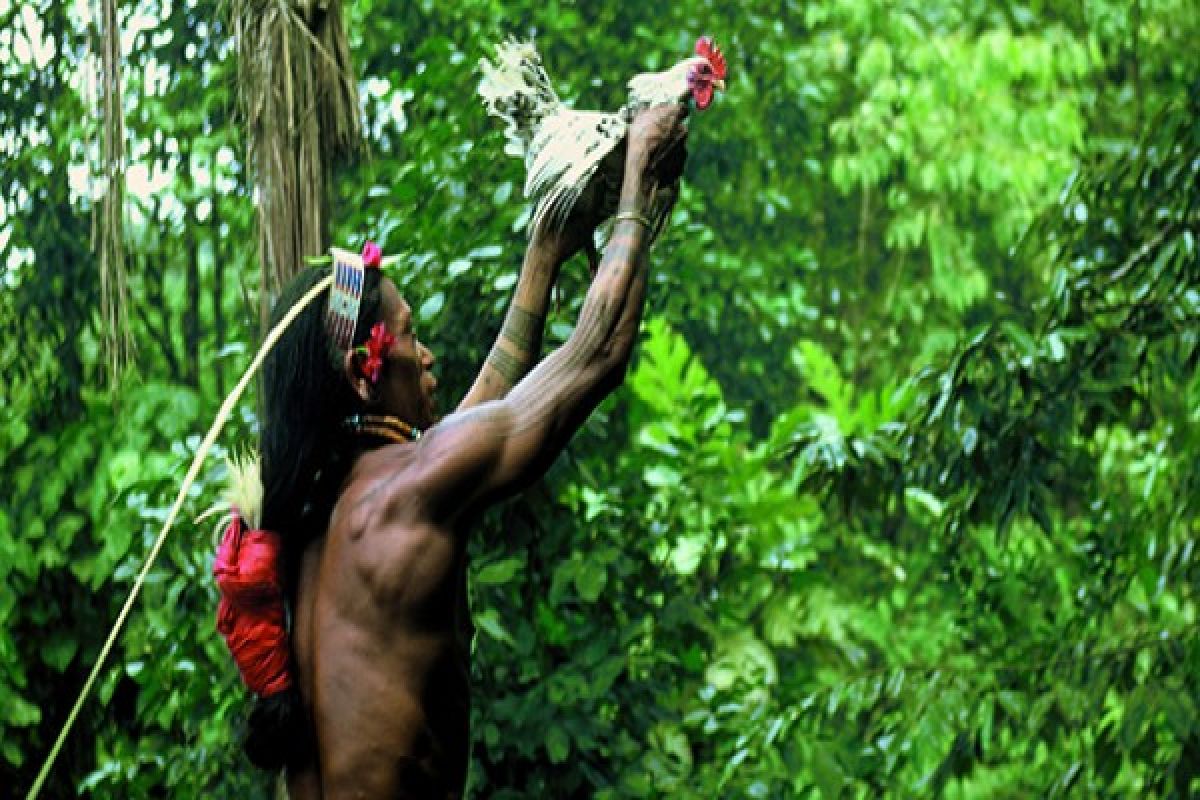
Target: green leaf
x: 489, y: 622
x: 20, y: 713
x: 742, y: 657
x: 58, y: 650
x: 558, y: 746
x: 590, y: 580
x: 486, y: 252
x: 12, y: 752
x: 457, y: 267
x: 499, y: 572
x: 828, y: 774
x: 687, y: 553
x: 669, y: 758
x: 431, y: 307
x: 925, y: 500
x: 970, y: 439
x: 660, y: 476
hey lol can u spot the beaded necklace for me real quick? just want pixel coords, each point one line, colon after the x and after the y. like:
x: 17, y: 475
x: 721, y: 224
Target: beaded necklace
x: 383, y: 426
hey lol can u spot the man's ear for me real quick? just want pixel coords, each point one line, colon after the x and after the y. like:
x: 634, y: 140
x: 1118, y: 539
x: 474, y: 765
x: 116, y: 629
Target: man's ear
x: 356, y: 380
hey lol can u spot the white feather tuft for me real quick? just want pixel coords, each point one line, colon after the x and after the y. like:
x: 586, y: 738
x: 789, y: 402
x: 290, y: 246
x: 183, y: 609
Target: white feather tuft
x: 244, y: 489
x: 243, y: 493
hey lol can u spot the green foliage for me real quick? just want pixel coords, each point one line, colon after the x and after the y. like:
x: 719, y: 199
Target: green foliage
x: 898, y: 498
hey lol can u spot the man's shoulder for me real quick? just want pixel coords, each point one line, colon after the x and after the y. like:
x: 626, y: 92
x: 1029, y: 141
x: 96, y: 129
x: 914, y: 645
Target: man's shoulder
x: 459, y: 445
x: 427, y: 481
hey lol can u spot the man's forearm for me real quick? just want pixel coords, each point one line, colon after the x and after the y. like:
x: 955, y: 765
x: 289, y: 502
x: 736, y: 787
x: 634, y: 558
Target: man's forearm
x: 517, y: 347
x: 566, y: 386
x: 610, y: 291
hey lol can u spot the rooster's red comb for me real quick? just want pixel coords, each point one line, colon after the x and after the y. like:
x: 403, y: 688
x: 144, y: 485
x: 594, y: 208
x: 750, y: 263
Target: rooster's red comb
x: 707, y: 48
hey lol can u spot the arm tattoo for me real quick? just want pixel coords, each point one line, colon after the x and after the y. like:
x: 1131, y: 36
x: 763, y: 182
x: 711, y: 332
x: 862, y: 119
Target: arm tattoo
x: 523, y: 328
x: 509, y: 366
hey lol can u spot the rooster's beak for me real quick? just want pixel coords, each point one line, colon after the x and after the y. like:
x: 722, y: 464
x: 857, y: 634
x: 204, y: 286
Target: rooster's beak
x: 719, y: 84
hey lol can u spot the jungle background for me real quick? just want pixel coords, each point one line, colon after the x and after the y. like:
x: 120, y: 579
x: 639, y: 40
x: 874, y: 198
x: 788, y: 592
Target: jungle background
x: 899, y: 497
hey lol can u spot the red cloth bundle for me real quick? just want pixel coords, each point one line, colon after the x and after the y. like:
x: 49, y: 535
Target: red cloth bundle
x: 250, y: 615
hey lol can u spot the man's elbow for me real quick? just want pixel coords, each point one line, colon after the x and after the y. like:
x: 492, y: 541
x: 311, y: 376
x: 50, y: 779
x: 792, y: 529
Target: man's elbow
x: 616, y: 358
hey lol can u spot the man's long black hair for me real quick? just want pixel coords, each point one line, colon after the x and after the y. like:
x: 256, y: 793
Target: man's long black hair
x: 304, y: 456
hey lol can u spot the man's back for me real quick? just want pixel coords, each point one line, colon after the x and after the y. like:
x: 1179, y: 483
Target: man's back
x: 381, y: 666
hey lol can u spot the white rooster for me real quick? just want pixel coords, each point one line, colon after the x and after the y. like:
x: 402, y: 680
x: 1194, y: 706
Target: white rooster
x: 577, y: 158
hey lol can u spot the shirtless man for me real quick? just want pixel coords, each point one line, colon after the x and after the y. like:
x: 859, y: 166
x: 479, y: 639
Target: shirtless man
x: 378, y: 596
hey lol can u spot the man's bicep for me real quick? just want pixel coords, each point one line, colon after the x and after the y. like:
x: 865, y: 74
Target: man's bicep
x: 497, y: 448
x: 479, y: 456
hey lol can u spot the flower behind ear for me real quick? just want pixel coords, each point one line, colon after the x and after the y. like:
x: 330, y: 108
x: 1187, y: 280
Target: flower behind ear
x: 375, y: 348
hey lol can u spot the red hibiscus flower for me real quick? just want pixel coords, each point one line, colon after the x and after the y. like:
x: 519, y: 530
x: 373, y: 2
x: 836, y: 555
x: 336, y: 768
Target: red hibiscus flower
x: 376, y: 347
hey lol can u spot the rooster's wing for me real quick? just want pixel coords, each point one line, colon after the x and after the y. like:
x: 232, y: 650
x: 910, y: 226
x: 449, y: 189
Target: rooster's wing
x: 571, y: 151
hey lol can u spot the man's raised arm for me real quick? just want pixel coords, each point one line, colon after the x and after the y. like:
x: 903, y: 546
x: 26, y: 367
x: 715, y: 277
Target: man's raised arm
x: 492, y: 450
x: 519, y: 343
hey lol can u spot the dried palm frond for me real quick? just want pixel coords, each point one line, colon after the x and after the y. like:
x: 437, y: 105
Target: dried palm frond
x: 300, y: 102
x: 108, y: 222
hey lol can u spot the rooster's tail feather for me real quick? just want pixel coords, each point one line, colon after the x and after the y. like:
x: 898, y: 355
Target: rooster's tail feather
x: 516, y: 89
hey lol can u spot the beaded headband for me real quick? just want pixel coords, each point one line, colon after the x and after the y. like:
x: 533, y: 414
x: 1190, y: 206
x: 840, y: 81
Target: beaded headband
x: 345, y: 295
